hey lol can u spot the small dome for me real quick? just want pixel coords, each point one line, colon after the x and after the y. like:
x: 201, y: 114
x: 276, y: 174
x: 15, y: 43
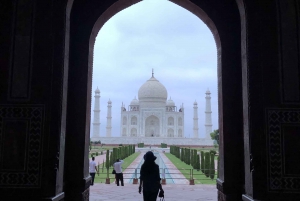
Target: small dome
x: 170, y: 102
x: 153, y: 90
x: 135, y: 102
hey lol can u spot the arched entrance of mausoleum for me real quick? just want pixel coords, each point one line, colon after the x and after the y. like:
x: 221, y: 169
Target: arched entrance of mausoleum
x: 152, y: 126
x: 83, y: 31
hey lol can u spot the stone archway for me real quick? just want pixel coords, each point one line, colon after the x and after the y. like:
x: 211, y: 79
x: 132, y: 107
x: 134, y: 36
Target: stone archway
x: 215, y: 14
x: 50, y: 75
x: 152, y: 126
x: 133, y: 132
x: 170, y: 132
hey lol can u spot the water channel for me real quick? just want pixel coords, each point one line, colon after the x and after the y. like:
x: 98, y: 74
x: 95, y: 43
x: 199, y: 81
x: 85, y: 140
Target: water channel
x: 163, y: 170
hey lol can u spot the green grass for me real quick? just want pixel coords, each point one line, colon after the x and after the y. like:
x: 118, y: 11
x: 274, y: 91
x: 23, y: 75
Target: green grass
x: 102, y: 175
x: 199, y: 177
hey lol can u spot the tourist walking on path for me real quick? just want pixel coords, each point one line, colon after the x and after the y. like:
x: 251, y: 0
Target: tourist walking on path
x: 119, y: 174
x: 150, y: 179
x: 93, y: 170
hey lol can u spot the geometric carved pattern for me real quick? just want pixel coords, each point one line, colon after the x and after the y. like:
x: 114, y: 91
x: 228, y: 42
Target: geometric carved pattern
x: 221, y: 196
x: 277, y: 179
x: 86, y: 195
x: 30, y: 176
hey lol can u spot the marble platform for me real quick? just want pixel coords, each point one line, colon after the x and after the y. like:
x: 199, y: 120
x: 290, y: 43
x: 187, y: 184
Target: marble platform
x: 155, y: 141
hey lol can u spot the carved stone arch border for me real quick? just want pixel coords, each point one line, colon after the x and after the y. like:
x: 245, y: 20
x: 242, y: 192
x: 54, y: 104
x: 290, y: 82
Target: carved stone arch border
x: 122, y: 4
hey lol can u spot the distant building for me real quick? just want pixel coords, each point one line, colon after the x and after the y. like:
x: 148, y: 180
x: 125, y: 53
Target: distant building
x: 152, y: 115
x: 153, y: 119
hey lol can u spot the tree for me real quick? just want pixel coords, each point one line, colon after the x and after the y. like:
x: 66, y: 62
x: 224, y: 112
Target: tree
x: 107, y: 163
x: 198, y: 162
x: 206, y: 164
x: 181, y: 154
x: 103, y: 166
x: 215, y: 135
x: 195, y: 163
x: 202, y: 161
x: 212, y: 166
x: 188, y: 159
x: 192, y: 158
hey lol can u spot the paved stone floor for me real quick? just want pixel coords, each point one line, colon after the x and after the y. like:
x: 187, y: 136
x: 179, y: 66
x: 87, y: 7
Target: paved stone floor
x: 175, y: 173
x: 173, y: 192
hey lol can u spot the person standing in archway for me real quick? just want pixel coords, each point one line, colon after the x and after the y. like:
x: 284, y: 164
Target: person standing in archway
x: 93, y: 170
x: 118, y: 168
x: 150, y: 179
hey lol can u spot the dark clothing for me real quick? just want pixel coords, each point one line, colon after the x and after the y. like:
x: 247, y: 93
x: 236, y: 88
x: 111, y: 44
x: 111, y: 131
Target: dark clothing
x: 149, y: 195
x: 93, y: 178
x: 119, y: 176
x: 151, y: 180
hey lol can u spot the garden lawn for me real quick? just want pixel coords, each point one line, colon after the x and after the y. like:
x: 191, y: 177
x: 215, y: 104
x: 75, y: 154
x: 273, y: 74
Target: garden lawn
x: 185, y: 169
x: 100, y: 178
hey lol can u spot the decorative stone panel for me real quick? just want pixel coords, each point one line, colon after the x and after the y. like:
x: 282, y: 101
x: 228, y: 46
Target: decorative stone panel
x: 86, y: 195
x: 30, y: 118
x: 279, y: 173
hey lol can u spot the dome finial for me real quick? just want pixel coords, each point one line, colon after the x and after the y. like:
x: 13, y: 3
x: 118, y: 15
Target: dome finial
x: 152, y: 72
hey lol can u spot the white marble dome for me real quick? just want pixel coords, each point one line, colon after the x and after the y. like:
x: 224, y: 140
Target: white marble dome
x: 152, y: 90
x: 135, y: 102
x: 170, y: 102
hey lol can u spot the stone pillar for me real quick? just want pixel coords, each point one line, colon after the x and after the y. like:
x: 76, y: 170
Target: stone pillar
x: 208, y: 124
x: 96, y: 123
x: 195, y: 128
x: 108, y: 125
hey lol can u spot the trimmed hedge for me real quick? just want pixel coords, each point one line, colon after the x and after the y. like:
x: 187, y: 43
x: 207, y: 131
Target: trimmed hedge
x: 206, y: 163
x: 212, y: 166
x: 140, y: 145
x: 107, y: 163
x: 202, y: 162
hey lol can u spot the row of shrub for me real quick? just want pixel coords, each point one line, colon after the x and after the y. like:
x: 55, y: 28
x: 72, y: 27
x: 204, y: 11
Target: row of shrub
x: 96, y: 154
x: 205, y: 162
x: 118, y: 153
x: 163, y: 145
x: 140, y: 145
x: 95, y: 142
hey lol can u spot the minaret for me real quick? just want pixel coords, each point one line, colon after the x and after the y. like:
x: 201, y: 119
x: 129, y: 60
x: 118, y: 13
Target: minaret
x: 108, y: 125
x: 195, y: 120
x: 96, y: 123
x: 208, y: 124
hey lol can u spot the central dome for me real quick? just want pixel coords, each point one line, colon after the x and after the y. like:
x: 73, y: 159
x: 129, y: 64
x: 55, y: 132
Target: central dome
x: 153, y: 90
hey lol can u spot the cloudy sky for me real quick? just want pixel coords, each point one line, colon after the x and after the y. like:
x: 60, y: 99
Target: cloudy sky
x: 174, y: 42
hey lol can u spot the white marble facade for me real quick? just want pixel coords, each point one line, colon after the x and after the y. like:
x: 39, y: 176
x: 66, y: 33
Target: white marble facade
x: 152, y: 115
x: 152, y: 119
x: 156, y: 141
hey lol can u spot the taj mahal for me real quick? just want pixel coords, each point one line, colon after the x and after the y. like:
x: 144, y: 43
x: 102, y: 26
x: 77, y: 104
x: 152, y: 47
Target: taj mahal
x: 152, y: 119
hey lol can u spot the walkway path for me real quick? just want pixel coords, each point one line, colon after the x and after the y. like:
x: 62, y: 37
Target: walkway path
x: 131, y: 168
x: 173, y: 192
x: 177, y: 176
x: 99, y: 159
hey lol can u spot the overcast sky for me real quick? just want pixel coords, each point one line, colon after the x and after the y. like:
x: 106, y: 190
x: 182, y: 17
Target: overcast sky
x: 174, y: 42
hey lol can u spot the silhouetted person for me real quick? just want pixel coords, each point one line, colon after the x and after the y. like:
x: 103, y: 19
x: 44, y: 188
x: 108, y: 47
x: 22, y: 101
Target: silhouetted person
x: 93, y: 170
x: 150, y: 179
x: 119, y: 174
